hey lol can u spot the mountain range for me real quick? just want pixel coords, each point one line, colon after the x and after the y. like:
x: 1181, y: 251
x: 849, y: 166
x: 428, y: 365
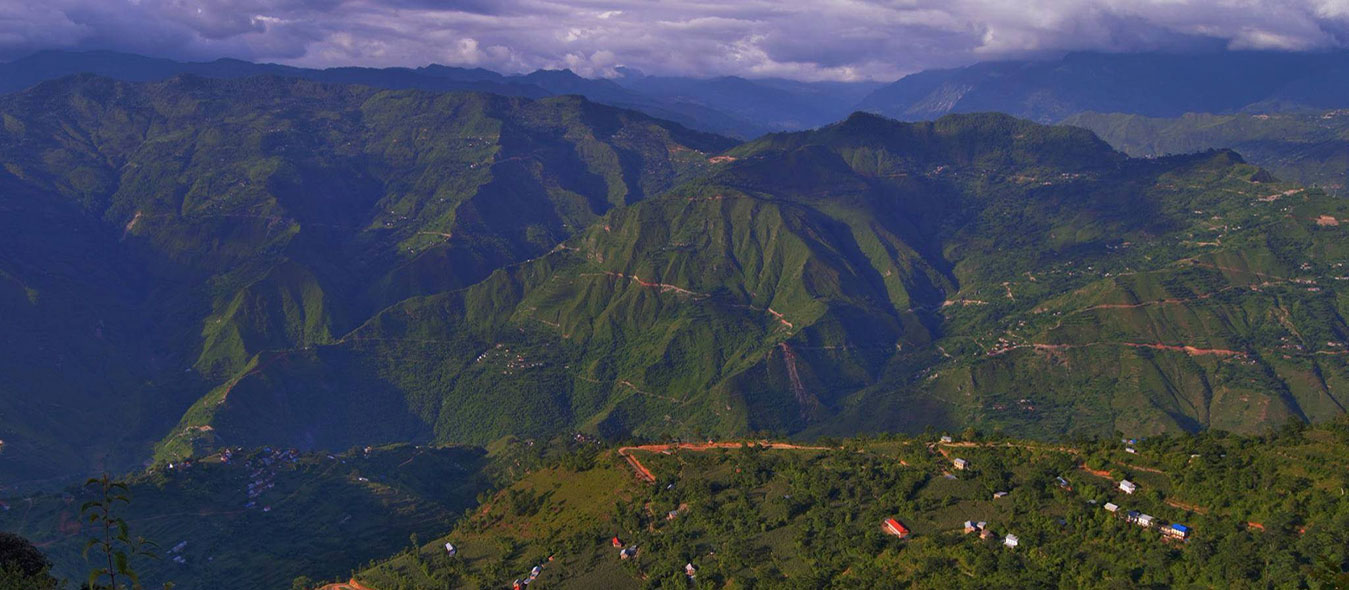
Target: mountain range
x: 1149, y: 84
x: 1158, y: 85
x: 315, y: 313
x: 727, y: 105
x: 211, y: 262
x: 1305, y: 147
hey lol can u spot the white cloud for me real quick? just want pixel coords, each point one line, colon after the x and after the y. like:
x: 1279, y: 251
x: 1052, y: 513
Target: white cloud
x: 806, y: 39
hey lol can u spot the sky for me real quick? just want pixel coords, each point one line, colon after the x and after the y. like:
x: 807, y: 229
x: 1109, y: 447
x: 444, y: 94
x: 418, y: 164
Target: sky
x: 803, y: 39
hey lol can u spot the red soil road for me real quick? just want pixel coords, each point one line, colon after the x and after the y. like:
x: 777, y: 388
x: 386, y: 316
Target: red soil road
x: 1190, y: 350
x: 351, y: 584
x: 1184, y: 506
x: 661, y: 286
x: 1185, y: 348
x: 645, y: 474
x: 641, y: 471
x: 1096, y: 472
x: 1170, y: 502
x: 1142, y: 468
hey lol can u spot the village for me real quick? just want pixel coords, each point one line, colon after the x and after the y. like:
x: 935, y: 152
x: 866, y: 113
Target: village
x: 1173, y: 531
x: 895, y: 525
x: 260, y: 469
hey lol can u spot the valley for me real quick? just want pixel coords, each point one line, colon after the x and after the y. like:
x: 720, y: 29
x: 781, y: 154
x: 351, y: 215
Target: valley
x: 467, y: 267
x: 314, y: 325
x: 323, y: 514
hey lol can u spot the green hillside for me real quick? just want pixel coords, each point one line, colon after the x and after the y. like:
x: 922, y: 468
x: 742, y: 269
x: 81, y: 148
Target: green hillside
x: 263, y: 261
x: 1303, y: 147
x: 190, y: 225
x: 869, y: 276
x: 1262, y: 511
x: 265, y: 517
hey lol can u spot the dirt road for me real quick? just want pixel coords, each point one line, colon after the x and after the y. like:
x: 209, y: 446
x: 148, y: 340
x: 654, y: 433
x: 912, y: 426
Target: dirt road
x: 645, y: 474
x: 351, y: 584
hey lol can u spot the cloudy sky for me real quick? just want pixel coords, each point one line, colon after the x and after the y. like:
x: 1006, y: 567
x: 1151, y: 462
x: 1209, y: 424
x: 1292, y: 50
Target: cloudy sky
x: 804, y: 39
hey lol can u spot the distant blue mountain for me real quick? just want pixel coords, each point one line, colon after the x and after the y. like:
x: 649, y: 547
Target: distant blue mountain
x: 1152, y: 84
x: 732, y: 106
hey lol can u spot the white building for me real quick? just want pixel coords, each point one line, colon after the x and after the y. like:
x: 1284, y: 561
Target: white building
x: 1011, y: 541
x: 1111, y: 507
x: 1127, y: 486
x: 960, y: 464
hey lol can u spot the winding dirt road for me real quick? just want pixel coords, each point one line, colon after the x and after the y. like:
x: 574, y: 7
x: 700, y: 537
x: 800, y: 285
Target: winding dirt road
x: 351, y: 584
x: 645, y: 474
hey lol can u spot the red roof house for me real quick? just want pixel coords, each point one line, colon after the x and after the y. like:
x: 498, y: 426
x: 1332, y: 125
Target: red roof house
x: 895, y: 528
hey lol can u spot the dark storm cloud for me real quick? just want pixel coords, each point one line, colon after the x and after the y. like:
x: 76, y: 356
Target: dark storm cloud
x: 808, y: 39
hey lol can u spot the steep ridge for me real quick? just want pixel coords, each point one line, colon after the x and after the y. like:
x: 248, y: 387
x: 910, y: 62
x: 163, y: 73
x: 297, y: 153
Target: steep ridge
x: 871, y: 275
x: 193, y: 224
x: 324, y: 266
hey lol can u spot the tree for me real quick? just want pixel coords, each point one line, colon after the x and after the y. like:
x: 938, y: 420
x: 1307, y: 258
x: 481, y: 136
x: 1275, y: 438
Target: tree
x: 114, y: 543
x: 22, y: 565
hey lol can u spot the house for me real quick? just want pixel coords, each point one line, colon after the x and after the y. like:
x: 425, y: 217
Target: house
x: 1145, y: 520
x: 986, y: 534
x: 671, y: 515
x: 960, y: 463
x: 451, y: 549
x: 1111, y: 507
x: 1010, y: 540
x: 896, y: 528
x: 1131, y: 450
x: 946, y: 439
x: 615, y: 542
x: 997, y: 495
x: 1063, y: 483
x: 1132, y: 516
x: 628, y: 553
x: 689, y: 570
x: 974, y: 527
x: 1176, y: 530
x: 1127, y: 486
